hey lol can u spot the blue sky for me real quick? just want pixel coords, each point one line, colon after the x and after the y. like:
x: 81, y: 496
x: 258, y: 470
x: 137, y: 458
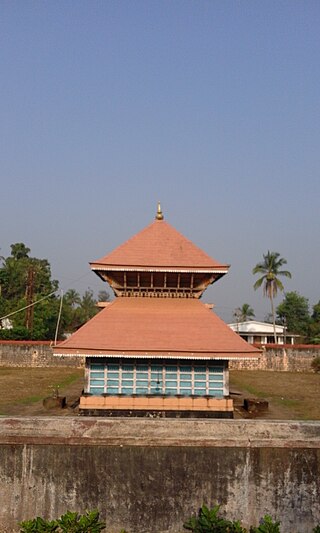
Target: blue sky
x: 211, y: 107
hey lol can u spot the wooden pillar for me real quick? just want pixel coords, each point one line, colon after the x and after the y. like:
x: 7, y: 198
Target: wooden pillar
x: 87, y: 376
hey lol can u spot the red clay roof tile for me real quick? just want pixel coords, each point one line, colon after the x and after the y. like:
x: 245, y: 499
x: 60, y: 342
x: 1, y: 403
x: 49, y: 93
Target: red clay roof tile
x: 160, y: 327
x: 158, y: 245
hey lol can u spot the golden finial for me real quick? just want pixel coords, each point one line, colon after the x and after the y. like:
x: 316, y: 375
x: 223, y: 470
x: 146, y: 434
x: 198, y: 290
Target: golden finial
x: 159, y: 215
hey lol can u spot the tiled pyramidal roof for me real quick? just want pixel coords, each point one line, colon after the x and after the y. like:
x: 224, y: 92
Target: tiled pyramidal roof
x: 159, y: 276
x: 159, y: 261
x: 159, y: 245
x: 179, y: 328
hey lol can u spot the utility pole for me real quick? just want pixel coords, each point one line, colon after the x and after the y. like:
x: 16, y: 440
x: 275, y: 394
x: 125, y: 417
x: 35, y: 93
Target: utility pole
x: 237, y: 316
x: 29, y: 297
x: 284, y: 329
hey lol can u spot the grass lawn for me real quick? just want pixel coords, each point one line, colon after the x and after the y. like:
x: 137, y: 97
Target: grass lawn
x: 23, y: 389
x: 291, y: 395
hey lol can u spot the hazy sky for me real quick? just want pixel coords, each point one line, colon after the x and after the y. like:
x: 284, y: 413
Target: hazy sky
x: 211, y: 107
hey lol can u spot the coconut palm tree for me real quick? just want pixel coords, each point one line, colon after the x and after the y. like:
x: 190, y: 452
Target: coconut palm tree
x: 244, y: 313
x: 72, y: 297
x: 270, y: 270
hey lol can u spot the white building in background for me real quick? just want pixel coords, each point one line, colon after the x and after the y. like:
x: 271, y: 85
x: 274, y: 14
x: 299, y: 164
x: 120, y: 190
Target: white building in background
x: 5, y: 323
x: 255, y: 332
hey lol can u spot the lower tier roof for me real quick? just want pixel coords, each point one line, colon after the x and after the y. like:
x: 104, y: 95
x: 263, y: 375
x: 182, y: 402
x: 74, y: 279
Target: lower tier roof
x: 157, y: 327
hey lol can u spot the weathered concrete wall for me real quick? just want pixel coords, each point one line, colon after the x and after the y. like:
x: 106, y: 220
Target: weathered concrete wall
x: 34, y: 354
x: 39, y: 354
x: 283, y: 359
x: 148, y: 476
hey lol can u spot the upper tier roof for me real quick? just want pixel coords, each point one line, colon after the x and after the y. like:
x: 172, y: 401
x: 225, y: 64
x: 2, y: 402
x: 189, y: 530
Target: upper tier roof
x: 158, y: 246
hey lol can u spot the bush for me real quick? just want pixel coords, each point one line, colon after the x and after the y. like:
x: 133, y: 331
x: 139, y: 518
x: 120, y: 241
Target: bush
x: 75, y: 523
x: 67, y: 523
x: 16, y: 333
x: 209, y: 521
x: 315, y: 364
x: 266, y: 526
x: 38, y: 525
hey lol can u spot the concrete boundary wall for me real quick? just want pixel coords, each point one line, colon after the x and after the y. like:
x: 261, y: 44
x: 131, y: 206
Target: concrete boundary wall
x: 296, y: 358
x: 148, y: 476
x: 34, y: 354
x: 288, y: 358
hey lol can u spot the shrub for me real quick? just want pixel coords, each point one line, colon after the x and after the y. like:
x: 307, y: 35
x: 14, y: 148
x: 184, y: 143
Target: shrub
x: 38, y: 525
x: 75, y: 523
x: 315, y: 364
x: 16, y: 333
x: 209, y: 521
x: 68, y: 523
x: 266, y: 526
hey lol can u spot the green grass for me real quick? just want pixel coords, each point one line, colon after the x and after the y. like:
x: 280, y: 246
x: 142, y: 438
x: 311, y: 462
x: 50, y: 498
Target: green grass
x: 291, y: 395
x: 286, y: 402
x: 26, y: 386
x: 68, y: 380
x: 29, y: 400
x: 253, y: 391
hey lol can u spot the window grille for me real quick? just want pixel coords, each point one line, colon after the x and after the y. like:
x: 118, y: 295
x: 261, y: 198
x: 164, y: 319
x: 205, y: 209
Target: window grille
x: 162, y: 378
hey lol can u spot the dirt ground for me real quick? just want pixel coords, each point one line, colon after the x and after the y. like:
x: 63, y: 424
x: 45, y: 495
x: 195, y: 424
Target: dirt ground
x: 24, y: 389
x: 290, y: 396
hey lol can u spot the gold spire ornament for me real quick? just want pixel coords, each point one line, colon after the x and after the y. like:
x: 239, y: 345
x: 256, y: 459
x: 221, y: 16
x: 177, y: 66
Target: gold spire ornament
x: 159, y: 215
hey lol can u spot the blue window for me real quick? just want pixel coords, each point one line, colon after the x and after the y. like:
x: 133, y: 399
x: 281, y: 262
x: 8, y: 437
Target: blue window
x: 97, y: 378
x: 96, y: 390
x: 185, y: 380
x: 216, y: 380
x: 142, y: 381
x: 167, y: 378
x: 156, y: 379
x: 97, y: 366
x: 171, y: 380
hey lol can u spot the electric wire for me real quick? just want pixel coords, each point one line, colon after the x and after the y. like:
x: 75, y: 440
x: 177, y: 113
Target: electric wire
x: 27, y: 306
x: 59, y: 317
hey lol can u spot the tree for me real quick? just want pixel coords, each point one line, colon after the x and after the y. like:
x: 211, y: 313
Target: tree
x: 26, y: 280
x: 103, y: 296
x: 19, y: 250
x: 88, y: 306
x: 72, y: 298
x: 16, y: 269
x: 268, y: 318
x: 23, y: 281
x: 314, y: 337
x: 270, y: 270
x: 295, y: 310
x: 316, y: 312
x: 77, y: 310
x: 244, y: 313
x: 70, y: 317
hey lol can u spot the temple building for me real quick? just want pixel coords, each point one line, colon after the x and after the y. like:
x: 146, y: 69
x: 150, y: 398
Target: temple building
x: 156, y: 350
